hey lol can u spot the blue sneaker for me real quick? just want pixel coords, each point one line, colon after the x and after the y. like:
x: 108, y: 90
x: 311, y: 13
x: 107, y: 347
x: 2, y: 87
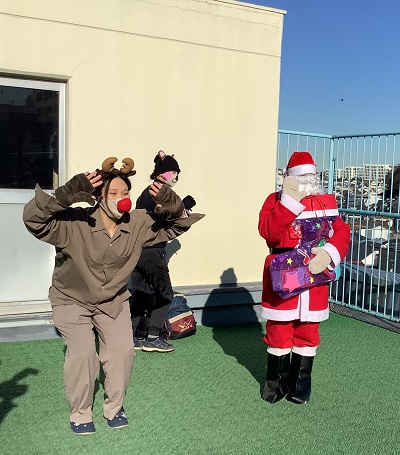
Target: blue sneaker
x: 83, y: 428
x: 119, y: 421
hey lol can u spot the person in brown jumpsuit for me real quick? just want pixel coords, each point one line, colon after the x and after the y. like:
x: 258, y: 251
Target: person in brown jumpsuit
x: 96, y: 250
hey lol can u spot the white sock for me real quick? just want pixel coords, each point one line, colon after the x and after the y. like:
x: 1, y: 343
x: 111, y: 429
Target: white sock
x: 278, y: 351
x: 306, y: 351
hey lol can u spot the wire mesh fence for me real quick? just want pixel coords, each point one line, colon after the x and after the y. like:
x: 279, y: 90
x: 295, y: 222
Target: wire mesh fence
x: 363, y: 173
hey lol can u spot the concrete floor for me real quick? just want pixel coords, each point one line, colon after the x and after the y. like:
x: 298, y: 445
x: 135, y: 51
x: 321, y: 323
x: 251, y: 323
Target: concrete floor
x: 27, y: 328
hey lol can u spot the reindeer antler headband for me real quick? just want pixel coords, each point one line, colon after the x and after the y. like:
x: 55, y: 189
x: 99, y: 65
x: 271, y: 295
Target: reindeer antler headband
x: 126, y: 169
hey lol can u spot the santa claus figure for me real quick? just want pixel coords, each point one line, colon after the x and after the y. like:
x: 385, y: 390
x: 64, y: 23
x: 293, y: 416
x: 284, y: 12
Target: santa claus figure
x: 299, y: 218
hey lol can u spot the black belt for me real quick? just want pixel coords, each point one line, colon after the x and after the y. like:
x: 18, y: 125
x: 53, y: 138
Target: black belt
x: 280, y: 250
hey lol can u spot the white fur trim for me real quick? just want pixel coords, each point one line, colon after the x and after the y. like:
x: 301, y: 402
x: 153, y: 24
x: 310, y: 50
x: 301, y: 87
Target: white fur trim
x: 320, y: 213
x: 278, y: 351
x: 292, y: 205
x: 333, y: 253
x: 306, y: 351
x: 292, y: 315
x: 280, y: 315
x: 318, y: 316
x: 304, y: 304
x: 302, y: 169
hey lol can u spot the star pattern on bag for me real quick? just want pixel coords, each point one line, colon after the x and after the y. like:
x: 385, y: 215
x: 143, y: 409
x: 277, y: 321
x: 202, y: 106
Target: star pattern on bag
x: 292, y: 281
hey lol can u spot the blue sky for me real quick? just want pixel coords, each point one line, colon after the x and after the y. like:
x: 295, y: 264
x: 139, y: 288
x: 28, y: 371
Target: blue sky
x: 339, y: 50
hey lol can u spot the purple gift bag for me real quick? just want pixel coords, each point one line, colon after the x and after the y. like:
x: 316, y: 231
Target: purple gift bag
x: 289, y: 271
x: 290, y: 275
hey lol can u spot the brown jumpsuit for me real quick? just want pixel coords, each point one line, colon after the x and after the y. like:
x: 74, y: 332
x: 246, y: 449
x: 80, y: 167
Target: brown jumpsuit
x: 89, y: 290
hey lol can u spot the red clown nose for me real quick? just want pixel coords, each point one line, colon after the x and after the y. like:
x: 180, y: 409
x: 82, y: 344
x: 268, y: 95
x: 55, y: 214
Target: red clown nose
x: 124, y: 205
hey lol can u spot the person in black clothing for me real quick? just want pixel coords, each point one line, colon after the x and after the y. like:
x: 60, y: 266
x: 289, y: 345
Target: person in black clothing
x: 151, y: 286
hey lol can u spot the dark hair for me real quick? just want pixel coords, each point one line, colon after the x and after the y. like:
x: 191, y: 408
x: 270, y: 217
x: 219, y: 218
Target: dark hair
x: 107, y: 178
x: 164, y: 163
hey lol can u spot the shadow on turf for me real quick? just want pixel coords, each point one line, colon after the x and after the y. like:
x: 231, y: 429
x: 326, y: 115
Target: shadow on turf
x: 236, y: 328
x: 12, y: 389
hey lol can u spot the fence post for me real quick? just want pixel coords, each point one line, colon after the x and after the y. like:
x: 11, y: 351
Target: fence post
x: 332, y: 167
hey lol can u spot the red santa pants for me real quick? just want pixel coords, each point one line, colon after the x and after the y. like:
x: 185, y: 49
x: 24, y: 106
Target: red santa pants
x: 286, y: 334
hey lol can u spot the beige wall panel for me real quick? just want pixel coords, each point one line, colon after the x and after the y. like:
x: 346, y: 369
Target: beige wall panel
x: 227, y: 24
x: 199, y: 79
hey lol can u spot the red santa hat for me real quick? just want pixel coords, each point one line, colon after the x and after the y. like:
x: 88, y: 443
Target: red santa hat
x: 301, y: 163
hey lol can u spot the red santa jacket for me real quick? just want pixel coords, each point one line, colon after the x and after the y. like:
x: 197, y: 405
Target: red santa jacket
x: 275, y: 226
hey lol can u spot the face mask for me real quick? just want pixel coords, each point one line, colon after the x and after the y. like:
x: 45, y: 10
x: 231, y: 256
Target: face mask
x: 116, y: 207
x: 171, y: 178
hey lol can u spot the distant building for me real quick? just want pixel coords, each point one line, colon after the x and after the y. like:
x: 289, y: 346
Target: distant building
x: 367, y: 172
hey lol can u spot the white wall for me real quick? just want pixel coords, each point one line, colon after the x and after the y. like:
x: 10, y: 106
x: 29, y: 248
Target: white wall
x: 196, y: 78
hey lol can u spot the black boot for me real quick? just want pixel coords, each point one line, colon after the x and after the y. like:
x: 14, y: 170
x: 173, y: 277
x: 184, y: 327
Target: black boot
x: 277, y: 380
x: 300, y: 379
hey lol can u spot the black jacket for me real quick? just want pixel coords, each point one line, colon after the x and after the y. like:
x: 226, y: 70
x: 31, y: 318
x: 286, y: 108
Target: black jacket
x: 145, y: 201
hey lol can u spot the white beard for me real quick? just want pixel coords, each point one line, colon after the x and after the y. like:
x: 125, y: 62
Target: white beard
x: 310, y: 183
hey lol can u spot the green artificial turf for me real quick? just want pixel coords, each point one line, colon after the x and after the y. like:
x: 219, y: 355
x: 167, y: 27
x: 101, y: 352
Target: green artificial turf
x: 204, y: 398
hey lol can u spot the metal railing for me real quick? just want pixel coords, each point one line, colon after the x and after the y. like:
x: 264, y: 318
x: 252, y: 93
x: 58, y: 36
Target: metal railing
x: 360, y: 170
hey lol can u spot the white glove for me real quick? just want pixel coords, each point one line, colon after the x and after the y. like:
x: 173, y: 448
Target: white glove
x: 320, y: 262
x: 291, y: 188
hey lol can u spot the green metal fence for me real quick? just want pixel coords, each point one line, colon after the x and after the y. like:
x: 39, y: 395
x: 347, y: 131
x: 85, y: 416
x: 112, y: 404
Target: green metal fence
x: 361, y: 171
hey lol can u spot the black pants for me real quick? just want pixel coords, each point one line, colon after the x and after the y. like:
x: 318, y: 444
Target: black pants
x: 151, y: 291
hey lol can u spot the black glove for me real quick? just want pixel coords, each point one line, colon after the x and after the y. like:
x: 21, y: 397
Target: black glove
x: 170, y: 202
x: 78, y: 189
x: 188, y: 202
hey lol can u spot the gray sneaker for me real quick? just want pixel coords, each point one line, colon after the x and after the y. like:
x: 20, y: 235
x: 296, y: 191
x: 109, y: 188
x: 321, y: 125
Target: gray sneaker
x: 157, y: 345
x: 138, y: 343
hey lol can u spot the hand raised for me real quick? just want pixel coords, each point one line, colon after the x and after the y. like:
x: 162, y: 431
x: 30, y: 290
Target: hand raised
x: 78, y: 189
x: 155, y: 187
x: 94, y: 178
x: 167, y: 200
x: 290, y: 187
